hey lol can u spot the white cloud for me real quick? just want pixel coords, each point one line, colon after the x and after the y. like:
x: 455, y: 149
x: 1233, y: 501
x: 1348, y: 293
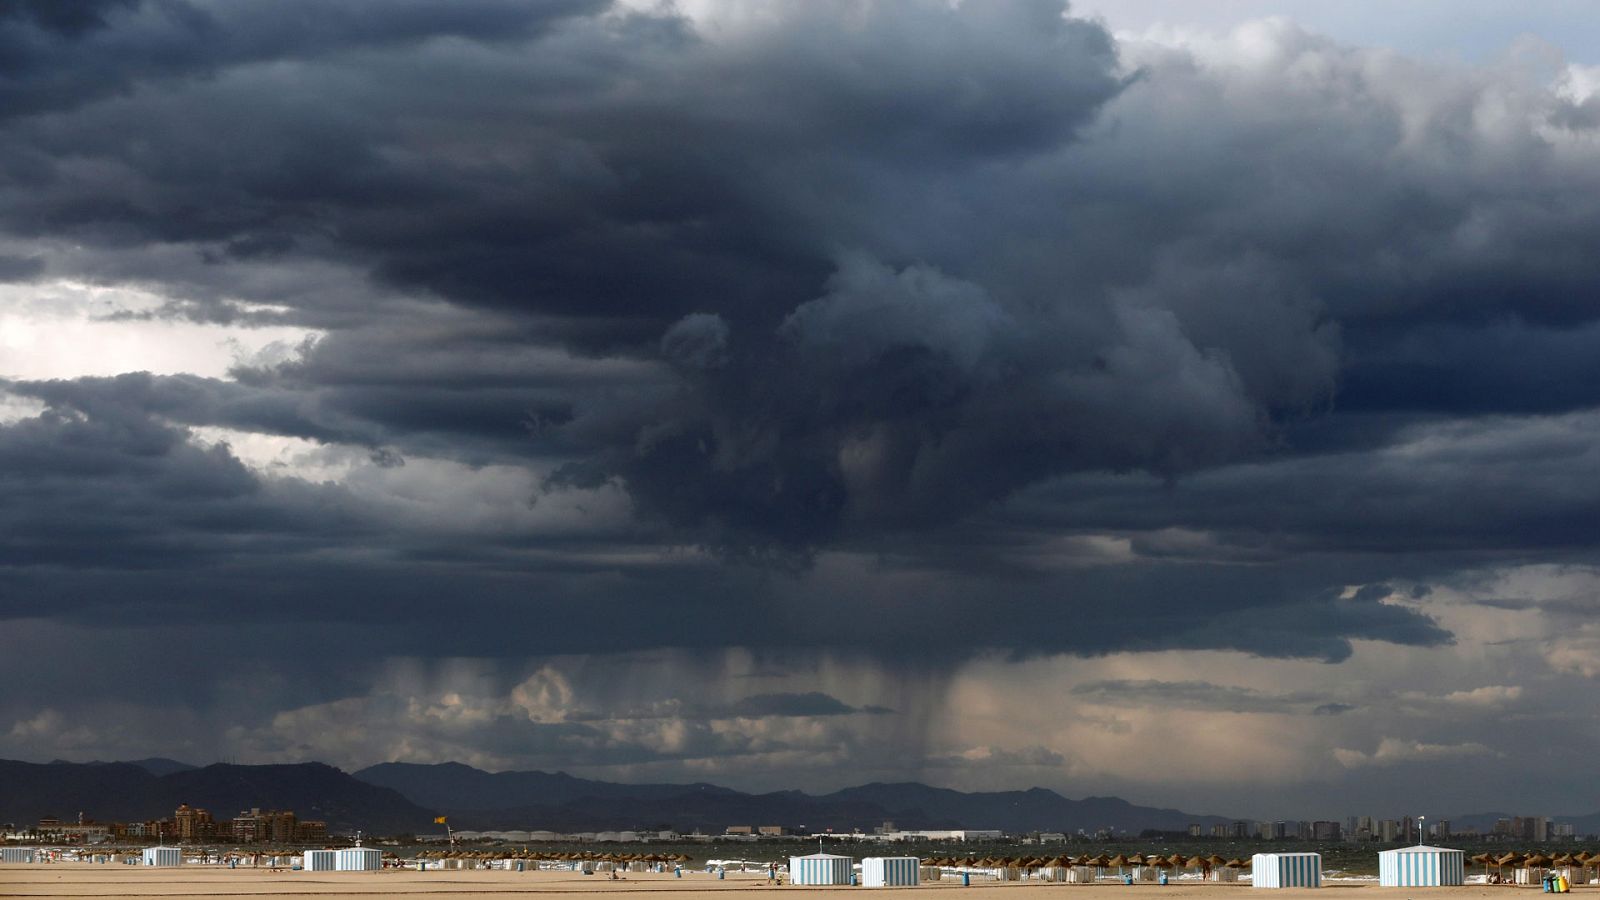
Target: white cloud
x: 1489, y: 695
x: 1392, y: 751
x: 1577, y: 651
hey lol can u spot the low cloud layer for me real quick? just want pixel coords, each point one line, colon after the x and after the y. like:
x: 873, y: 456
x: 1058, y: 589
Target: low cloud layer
x: 903, y: 337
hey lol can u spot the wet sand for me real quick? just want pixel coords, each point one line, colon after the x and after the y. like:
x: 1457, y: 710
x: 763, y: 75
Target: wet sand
x: 113, y: 881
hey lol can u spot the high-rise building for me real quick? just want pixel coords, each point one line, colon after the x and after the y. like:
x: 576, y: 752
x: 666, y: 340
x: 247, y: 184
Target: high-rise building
x: 248, y: 827
x: 1528, y: 828
x: 193, y: 824
x: 1388, y: 831
x: 279, y: 826
x: 1325, y: 831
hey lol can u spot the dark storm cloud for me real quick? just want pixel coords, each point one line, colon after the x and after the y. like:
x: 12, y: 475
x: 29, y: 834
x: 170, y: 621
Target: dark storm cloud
x: 20, y: 268
x: 966, y: 291
x: 56, y: 54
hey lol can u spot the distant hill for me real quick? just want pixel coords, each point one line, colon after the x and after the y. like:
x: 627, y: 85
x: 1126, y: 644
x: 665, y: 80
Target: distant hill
x: 130, y: 792
x: 558, y: 801
x: 105, y: 791
x: 456, y: 786
x: 155, y: 765
x: 160, y: 765
x: 1036, y: 809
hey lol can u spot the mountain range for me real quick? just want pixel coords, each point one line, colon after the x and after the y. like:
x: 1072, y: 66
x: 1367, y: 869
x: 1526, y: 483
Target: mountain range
x: 127, y: 792
x: 392, y: 798
x: 558, y: 801
x: 404, y: 797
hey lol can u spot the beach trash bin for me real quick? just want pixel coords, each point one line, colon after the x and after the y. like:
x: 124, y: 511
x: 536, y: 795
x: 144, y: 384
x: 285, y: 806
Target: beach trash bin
x: 852, y: 879
x: 966, y: 879
x: 1127, y: 878
x: 721, y: 874
x: 677, y: 871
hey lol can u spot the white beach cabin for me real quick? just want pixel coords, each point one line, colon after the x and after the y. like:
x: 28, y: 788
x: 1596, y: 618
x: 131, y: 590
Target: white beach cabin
x: 358, y: 859
x: 1422, y: 866
x: 890, y: 871
x: 320, y: 860
x: 1285, y: 870
x: 820, y: 868
x: 163, y: 856
x: 16, y: 854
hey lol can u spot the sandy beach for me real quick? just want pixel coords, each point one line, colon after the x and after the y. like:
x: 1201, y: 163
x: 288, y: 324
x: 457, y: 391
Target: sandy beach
x: 111, y: 881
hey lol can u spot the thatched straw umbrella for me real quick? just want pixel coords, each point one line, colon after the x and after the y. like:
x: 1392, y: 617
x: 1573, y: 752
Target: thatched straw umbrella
x: 1484, y: 859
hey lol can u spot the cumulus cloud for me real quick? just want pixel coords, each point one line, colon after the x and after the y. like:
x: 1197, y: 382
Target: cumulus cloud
x: 1393, y: 751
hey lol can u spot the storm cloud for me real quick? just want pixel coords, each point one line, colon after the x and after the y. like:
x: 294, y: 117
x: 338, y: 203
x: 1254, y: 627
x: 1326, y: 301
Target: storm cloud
x: 760, y: 331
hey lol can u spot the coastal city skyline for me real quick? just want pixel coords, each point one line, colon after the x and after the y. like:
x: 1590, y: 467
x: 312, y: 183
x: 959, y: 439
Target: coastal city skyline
x: 1192, y: 403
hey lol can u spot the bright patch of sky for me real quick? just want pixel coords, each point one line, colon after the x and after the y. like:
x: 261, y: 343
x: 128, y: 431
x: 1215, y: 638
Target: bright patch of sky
x: 65, y: 329
x: 1471, y: 30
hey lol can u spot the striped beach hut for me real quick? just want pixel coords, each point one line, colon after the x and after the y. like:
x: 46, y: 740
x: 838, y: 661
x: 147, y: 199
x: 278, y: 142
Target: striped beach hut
x: 1284, y: 870
x: 163, y: 856
x: 358, y: 859
x: 890, y: 871
x: 1421, y: 866
x: 16, y: 854
x: 820, y: 868
x: 320, y: 860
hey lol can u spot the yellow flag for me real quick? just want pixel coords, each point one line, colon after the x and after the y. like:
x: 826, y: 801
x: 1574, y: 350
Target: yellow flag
x: 440, y: 820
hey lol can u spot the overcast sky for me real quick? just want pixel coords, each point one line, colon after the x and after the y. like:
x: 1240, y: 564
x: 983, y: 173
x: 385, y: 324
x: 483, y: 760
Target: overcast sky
x: 1195, y: 402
